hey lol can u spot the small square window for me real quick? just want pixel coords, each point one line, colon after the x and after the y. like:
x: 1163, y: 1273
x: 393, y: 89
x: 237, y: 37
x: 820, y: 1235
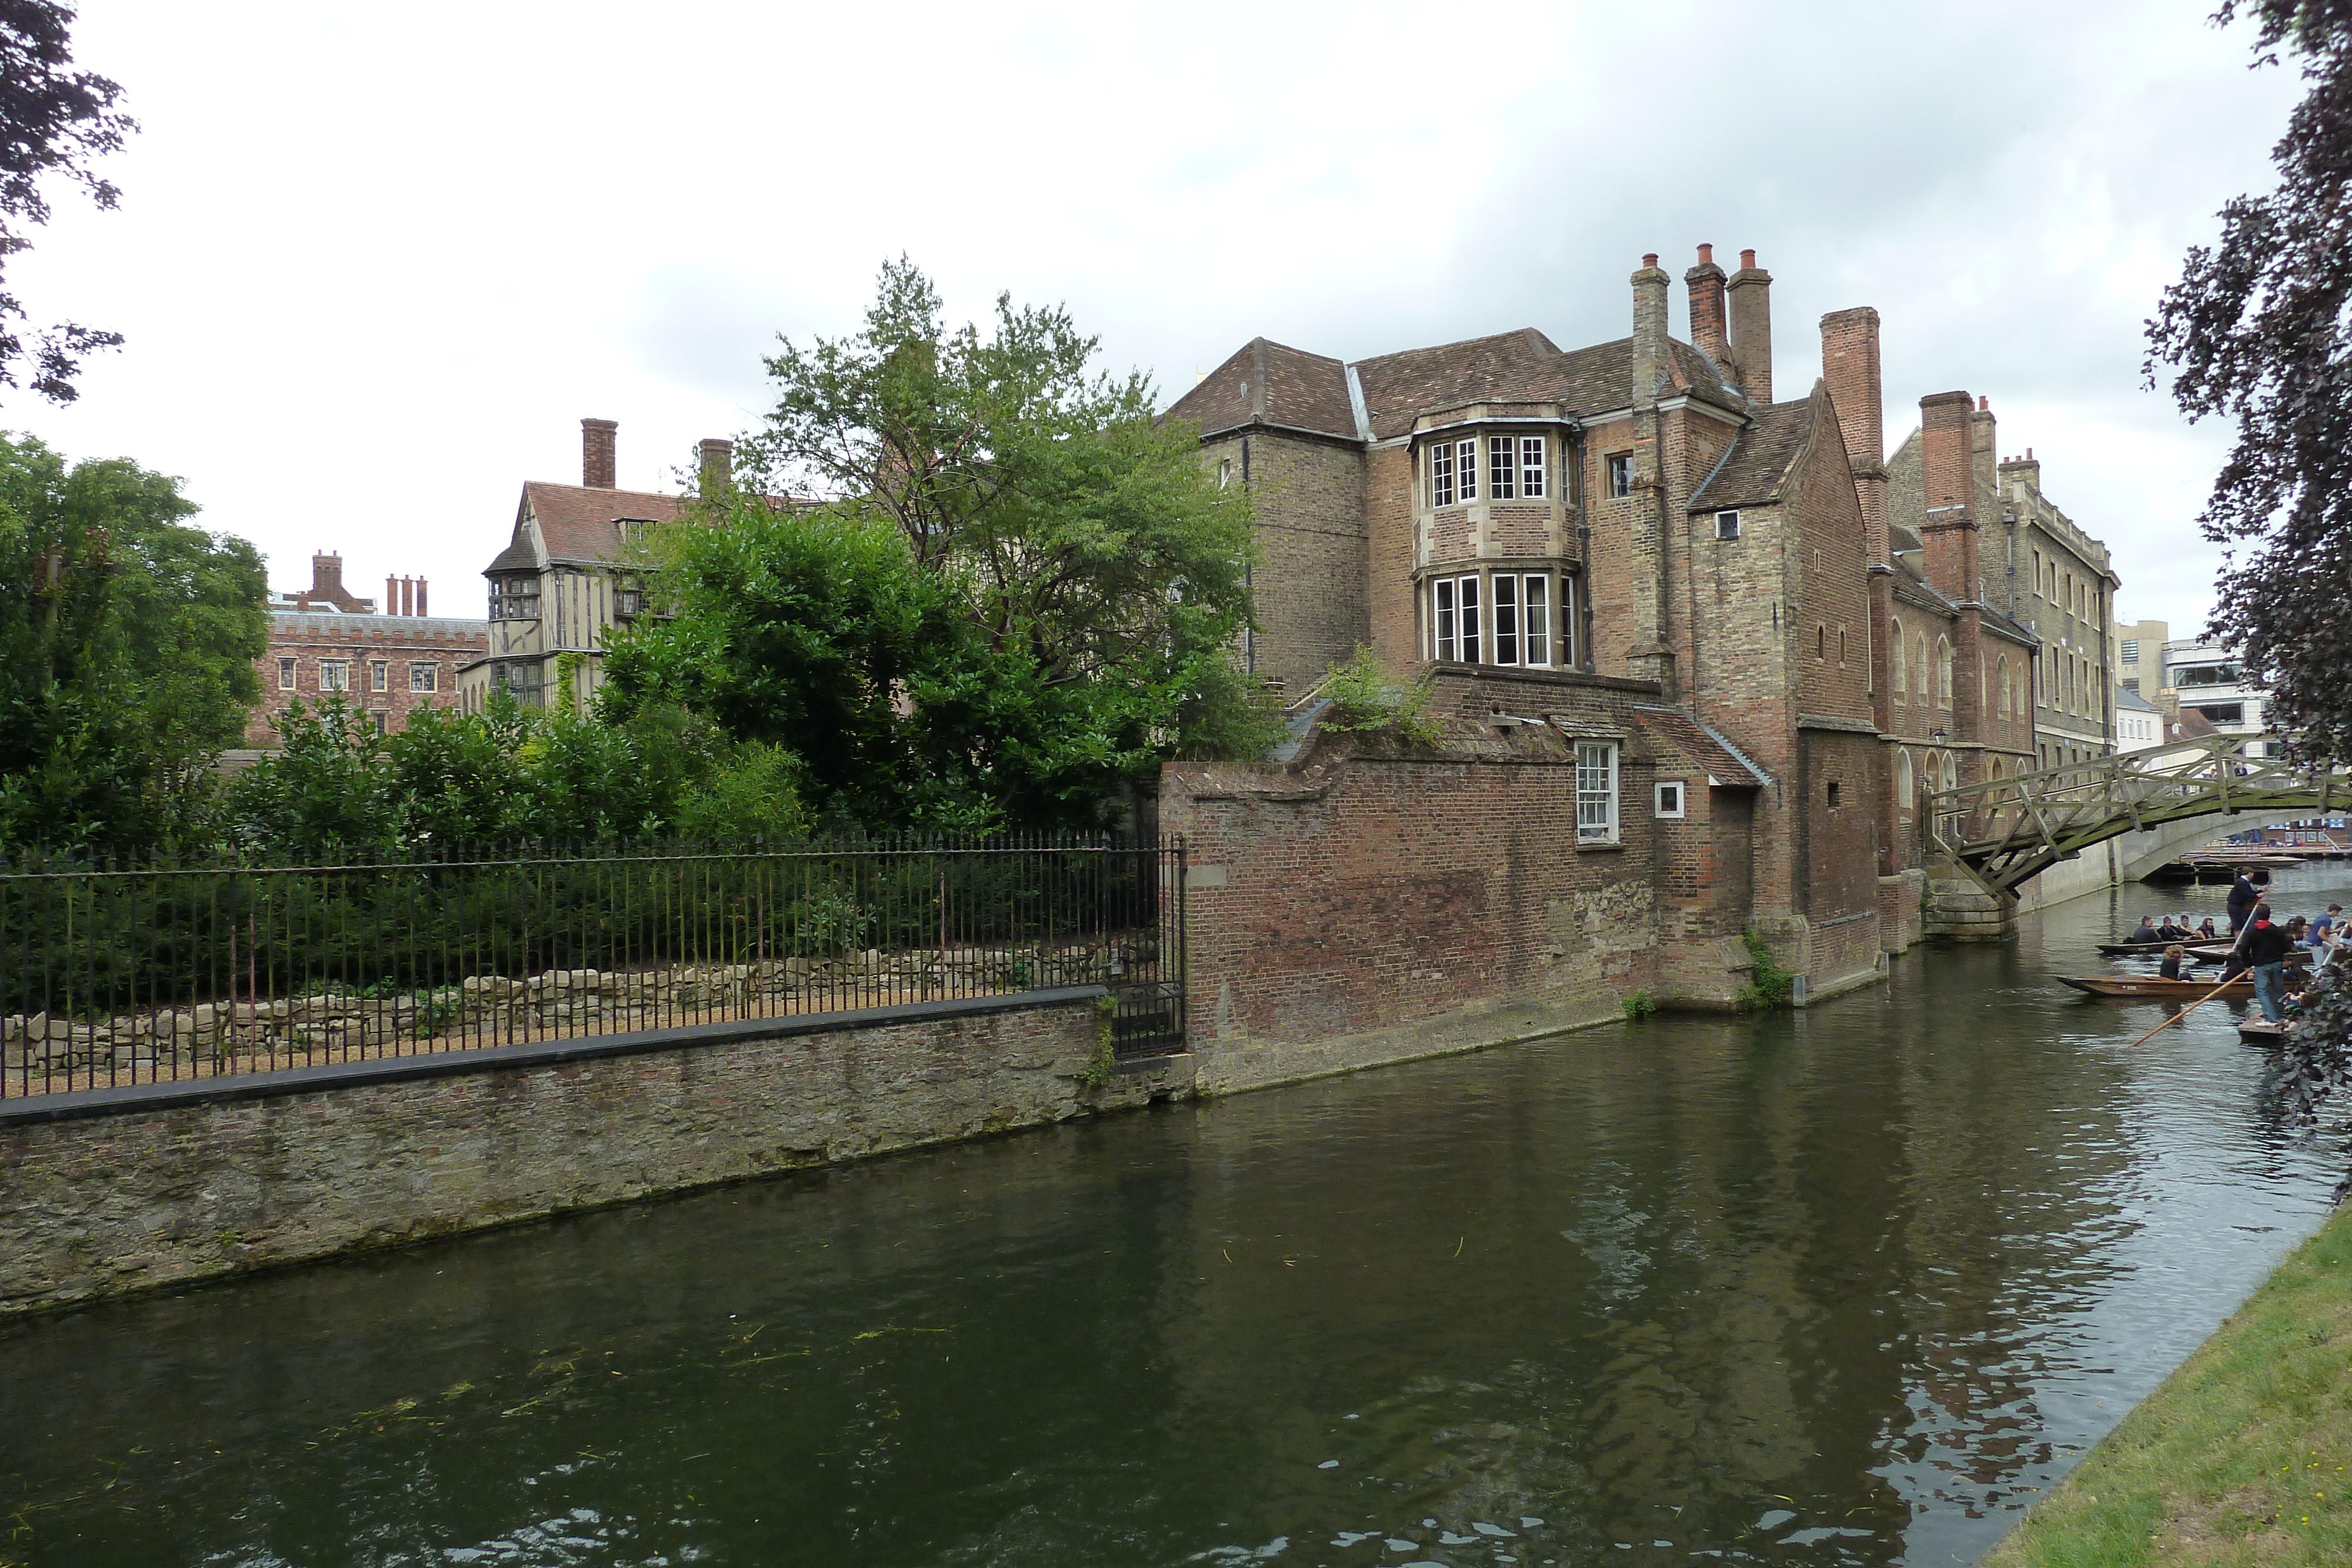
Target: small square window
x: 1836, y: 794
x: 334, y: 675
x: 1727, y: 524
x: 1621, y: 476
x: 1670, y: 798
x: 284, y: 675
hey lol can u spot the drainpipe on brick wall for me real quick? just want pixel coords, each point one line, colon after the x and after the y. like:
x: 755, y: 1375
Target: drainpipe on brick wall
x: 1583, y: 556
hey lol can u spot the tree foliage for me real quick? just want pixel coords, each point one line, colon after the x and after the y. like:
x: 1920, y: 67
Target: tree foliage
x: 127, y: 642
x: 512, y: 775
x: 53, y: 122
x: 2257, y: 330
x: 1011, y: 590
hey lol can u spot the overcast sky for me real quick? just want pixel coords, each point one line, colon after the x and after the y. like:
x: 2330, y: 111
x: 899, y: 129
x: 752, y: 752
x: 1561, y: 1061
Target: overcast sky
x: 373, y: 264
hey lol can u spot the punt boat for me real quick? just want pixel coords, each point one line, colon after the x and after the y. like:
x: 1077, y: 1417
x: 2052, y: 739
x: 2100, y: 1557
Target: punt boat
x: 2151, y: 986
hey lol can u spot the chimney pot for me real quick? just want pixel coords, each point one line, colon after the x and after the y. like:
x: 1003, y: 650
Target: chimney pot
x: 1705, y: 252
x: 390, y: 594
x: 1984, y: 405
x: 1746, y: 258
x: 599, y: 459
x: 2028, y: 455
x: 1649, y: 258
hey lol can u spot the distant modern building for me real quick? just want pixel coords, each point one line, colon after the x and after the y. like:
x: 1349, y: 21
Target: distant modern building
x: 327, y: 643
x: 568, y: 576
x: 2139, y: 656
x: 2212, y: 685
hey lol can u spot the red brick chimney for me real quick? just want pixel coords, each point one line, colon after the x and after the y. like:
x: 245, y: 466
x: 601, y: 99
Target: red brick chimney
x: 420, y: 596
x: 1947, y: 463
x: 1704, y: 282
x: 1649, y: 330
x: 718, y: 465
x: 392, y: 595
x: 1850, y: 367
x: 1750, y: 293
x: 599, y: 444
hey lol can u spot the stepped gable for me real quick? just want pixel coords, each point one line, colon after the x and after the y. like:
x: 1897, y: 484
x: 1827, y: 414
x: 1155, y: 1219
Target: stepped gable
x: 1270, y: 383
x: 1758, y: 464
x: 578, y: 523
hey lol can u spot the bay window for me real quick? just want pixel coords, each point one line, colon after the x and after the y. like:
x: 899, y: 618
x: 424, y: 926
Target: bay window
x: 1518, y: 626
x: 1441, y: 475
x: 1515, y: 467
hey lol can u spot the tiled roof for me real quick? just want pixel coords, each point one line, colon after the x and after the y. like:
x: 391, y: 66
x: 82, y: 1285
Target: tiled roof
x: 1702, y: 744
x: 1274, y: 384
x: 1760, y: 461
x: 577, y: 522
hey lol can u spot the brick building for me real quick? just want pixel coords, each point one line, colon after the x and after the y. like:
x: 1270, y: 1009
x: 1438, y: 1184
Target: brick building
x: 325, y: 642
x: 1636, y: 546
x: 569, y: 575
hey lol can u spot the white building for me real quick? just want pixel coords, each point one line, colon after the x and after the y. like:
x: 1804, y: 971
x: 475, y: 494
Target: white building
x: 2210, y: 682
x: 2139, y: 724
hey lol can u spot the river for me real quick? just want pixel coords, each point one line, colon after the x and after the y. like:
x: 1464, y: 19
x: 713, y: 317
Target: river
x: 1851, y: 1285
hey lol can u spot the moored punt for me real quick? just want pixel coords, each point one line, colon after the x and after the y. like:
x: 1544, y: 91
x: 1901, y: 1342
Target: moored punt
x: 2214, y: 952
x: 2144, y: 950
x: 2261, y: 1031
x: 2151, y: 986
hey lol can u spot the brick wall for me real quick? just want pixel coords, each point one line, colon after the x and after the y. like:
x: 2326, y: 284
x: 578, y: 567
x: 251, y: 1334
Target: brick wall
x: 401, y: 644
x: 1394, y: 553
x: 172, y: 1183
x: 1311, y: 573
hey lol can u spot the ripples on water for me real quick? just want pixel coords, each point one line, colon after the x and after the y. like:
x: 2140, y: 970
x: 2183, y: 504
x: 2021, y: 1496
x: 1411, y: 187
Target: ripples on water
x: 1846, y: 1286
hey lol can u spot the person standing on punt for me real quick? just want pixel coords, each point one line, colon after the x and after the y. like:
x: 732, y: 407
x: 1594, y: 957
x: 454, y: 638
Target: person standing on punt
x: 2243, y: 898
x: 2318, y: 937
x: 2266, y: 949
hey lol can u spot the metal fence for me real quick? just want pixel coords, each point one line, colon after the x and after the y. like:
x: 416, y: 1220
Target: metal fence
x: 119, y: 972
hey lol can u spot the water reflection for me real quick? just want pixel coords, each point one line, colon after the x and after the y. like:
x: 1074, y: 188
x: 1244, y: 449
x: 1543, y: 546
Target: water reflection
x: 1846, y: 1286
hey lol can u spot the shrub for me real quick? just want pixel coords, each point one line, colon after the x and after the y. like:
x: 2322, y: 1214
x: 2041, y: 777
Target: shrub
x: 1769, y: 986
x: 1363, y: 698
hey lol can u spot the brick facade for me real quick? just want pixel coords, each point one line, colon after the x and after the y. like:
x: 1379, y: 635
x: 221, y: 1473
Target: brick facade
x: 384, y: 665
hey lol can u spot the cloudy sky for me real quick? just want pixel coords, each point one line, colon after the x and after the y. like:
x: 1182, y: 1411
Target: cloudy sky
x: 375, y: 263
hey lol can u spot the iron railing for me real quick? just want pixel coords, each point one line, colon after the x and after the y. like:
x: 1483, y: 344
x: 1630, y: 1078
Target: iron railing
x: 147, y: 969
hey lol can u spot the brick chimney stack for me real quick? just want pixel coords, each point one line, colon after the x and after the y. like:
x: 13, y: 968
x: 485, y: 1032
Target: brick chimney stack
x: 420, y: 596
x: 717, y: 466
x: 1750, y: 293
x: 1946, y: 439
x: 1651, y: 657
x: 392, y: 595
x: 327, y: 578
x: 1649, y: 330
x: 1850, y: 365
x: 599, y: 449
x: 1704, y: 282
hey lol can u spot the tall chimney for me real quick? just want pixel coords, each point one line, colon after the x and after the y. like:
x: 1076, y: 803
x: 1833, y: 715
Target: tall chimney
x: 326, y: 576
x: 420, y: 596
x: 390, y: 594
x: 599, y: 444
x: 1704, y: 282
x: 408, y: 596
x: 718, y: 466
x: 1949, y: 481
x: 1750, y: 292
x: 1850, y: 366
x: 1649, y: 332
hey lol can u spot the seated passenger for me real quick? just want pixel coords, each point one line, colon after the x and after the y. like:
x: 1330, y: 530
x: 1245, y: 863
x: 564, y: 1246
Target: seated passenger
x: 2146, y: 932
x: 2173, y: 956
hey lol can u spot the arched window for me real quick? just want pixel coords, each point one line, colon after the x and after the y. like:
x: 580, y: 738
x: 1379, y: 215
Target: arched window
x: 1944, y: 671
x: 1901, y: 687
x: 2000, y: 669
x: 1903, y: 785
x: 1951, y: 772
x: 1927, y: 671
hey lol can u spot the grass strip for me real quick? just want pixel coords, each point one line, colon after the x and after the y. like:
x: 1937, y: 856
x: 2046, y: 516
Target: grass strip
x: 2243, y: 1456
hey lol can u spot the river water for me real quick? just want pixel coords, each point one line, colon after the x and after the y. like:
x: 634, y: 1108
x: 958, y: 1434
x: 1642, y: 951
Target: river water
x: 1852, y: 1285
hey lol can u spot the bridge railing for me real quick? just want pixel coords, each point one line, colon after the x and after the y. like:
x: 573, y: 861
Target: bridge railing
x: 2003, y: 830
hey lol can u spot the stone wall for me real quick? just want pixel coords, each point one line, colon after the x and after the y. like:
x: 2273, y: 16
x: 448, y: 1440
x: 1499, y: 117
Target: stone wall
x: 114, y: 1190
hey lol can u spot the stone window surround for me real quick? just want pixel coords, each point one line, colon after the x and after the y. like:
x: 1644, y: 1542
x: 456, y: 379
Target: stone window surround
x: 1565, y: 592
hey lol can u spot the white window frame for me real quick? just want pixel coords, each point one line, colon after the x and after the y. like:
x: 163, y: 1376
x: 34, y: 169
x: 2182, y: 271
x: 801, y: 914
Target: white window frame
x: 334, y: 675
x: 1535, y: 464
x: 1727, y: 524
x: 285, y: 675
x: 1534, y: 618
x: 1456, y: 635
x: 379, y: 674
x: 1670, y: 799
x: 1596, y: 792
x: 1502, y: 468
x: 424, y: 677
x: 1615, y: 465
x: 1503, y: 613
x: 1441, y: 475
x: 1465, y: 468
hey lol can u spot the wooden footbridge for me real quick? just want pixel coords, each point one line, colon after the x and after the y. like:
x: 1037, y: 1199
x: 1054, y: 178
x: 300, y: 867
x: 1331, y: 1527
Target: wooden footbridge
x: 2004, y: 830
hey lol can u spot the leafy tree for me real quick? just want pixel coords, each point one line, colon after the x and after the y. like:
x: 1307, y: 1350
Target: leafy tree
x: 54, y: 120
x: 127, y: 642
x: 1016, y: 590
x: 2257, y: 330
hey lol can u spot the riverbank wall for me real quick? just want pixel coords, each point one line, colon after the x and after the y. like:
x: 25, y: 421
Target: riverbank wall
x: 107, y: 1192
